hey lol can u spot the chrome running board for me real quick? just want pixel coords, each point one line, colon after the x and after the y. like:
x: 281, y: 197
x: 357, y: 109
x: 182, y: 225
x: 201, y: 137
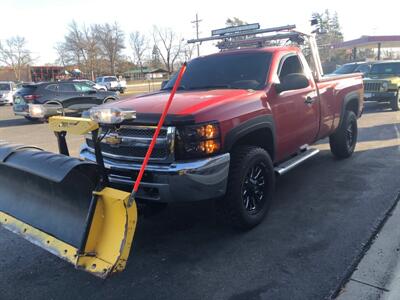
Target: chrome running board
x: 295, y: 161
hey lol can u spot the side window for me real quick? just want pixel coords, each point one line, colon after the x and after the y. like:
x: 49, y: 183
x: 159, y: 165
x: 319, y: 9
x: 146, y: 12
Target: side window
x: 291, y: 65
x: 67, y: 87
x: 363, y: 68
x: 52, y: 87
x: 81, y: 87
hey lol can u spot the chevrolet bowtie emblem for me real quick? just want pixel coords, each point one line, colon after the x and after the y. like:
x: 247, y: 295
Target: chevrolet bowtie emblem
x: 113, y: 139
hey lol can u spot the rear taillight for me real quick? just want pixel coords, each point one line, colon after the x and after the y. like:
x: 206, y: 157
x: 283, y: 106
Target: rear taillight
x: 31, y: 97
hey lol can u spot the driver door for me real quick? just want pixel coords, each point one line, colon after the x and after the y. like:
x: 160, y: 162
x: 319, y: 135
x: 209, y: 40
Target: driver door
x: 296, y: 112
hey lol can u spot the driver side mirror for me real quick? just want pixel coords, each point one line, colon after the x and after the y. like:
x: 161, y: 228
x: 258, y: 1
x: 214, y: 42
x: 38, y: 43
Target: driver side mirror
x: 94, y: 91
x: 295, y: 81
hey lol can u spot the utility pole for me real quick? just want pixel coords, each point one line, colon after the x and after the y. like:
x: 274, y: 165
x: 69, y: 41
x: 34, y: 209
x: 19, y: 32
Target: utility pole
x: 197, y: 21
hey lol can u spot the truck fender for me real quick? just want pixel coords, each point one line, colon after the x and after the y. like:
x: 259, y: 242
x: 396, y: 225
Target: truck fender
x: 249, y: 126
x: 352, y: 96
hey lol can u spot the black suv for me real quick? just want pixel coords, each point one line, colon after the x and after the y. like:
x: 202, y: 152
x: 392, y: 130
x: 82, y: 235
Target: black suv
x: 72, y: 97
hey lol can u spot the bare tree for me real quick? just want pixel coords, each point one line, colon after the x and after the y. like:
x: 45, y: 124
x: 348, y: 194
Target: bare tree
x: 169, y: 46
x: 80, y: 47
x: 111, y: 41
x: 64, y: 57
x: 14, y: 54
x: 74, y: 43
x: 188, y: 51
x: 139, y: 45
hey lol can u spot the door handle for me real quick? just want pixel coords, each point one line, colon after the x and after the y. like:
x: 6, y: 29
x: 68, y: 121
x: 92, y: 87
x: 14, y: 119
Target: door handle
x: 309, y: 100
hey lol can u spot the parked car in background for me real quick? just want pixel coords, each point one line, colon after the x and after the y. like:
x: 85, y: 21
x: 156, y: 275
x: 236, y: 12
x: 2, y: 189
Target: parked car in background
x: 112, y: 83
x: 7, y: 90
x: 383, y: 83
x: 355, y: 67
x: 91, y: 84
x: 68, y: 96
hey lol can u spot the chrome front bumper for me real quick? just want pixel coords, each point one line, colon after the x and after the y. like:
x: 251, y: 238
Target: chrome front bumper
x: 21, y: 113
x: 177, y: 182
x: 380, y: 96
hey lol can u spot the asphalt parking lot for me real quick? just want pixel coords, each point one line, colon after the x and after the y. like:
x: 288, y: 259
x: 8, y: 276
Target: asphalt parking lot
x: 325, y: 213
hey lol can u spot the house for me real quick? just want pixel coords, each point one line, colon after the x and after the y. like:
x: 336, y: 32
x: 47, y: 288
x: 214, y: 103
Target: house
x: 146, y: 74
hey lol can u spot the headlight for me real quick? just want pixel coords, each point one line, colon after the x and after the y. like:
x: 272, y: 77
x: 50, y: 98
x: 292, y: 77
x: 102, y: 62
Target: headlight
x: 385, y: 86
x: 198, y: 140
x: 42, y: 111
x: 110, y: 115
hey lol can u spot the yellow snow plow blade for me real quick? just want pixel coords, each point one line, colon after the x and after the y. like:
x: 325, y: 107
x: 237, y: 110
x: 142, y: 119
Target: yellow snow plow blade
x: 109, y: 239
x: 63, y: 204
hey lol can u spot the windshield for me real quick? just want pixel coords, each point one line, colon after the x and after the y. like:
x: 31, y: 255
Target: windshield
x: 386, y: 68
x: 109, y: 79
x: 227, y: 71
x: 5, y: 87
x: 364, y: 68
x: 346, y: 69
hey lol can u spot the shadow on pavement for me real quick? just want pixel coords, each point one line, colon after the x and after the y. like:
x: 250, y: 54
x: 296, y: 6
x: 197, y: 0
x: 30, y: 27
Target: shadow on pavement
x: 376, y: 107
x: 16, y: 122
x: 378, y: 133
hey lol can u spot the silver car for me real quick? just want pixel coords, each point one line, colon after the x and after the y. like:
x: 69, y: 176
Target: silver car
x: 7, y: 90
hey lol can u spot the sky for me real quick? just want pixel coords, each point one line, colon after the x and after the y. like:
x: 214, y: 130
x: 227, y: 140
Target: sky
x: 44, y: 22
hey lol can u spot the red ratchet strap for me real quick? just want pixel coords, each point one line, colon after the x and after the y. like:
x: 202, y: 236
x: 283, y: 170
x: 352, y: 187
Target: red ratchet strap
x: 156, y: 133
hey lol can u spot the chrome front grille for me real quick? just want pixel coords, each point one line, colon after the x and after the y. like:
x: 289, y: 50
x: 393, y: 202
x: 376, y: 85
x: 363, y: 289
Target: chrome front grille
x: 372, y: 86
x: 133, y: 142
x: 141, y: 132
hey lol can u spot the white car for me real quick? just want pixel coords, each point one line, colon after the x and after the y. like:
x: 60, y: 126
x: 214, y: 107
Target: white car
x: 92, y: 84
x: 112, y: 83
x: 7, y: 90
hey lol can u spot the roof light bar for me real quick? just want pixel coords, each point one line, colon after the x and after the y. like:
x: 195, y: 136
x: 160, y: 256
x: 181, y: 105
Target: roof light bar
x: 235, y: 29
x: 243, y: 33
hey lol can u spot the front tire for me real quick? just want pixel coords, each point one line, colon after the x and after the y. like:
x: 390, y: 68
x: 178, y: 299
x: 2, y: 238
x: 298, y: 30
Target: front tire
x: 395, y: 102
x: 251, y: 184
x: 344, y: 140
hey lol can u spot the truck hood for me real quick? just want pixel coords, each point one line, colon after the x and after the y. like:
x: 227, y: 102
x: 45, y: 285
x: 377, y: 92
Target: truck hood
x: 184, y: 102
x: 387, y: 77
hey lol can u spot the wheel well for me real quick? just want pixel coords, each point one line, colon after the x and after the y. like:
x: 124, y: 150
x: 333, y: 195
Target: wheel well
x: 352, y: 105
x: 108, y: 98
x: 262, y: 138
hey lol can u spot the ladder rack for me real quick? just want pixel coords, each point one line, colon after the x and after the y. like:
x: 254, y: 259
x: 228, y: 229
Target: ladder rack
x: 250, y: 35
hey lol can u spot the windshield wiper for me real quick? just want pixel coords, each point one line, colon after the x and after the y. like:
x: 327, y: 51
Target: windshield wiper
x: 181, y: 87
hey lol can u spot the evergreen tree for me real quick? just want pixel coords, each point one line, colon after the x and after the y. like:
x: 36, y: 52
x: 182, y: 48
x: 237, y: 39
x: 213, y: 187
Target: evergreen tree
x: 329, y: 33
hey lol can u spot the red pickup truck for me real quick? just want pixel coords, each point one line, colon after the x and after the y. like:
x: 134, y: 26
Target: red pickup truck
x: 239, y: 119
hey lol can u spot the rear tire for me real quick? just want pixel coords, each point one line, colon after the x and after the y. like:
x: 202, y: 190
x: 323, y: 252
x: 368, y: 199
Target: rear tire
x: 395, y: 102
x: 251, y: 184
x: 344, y: 140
